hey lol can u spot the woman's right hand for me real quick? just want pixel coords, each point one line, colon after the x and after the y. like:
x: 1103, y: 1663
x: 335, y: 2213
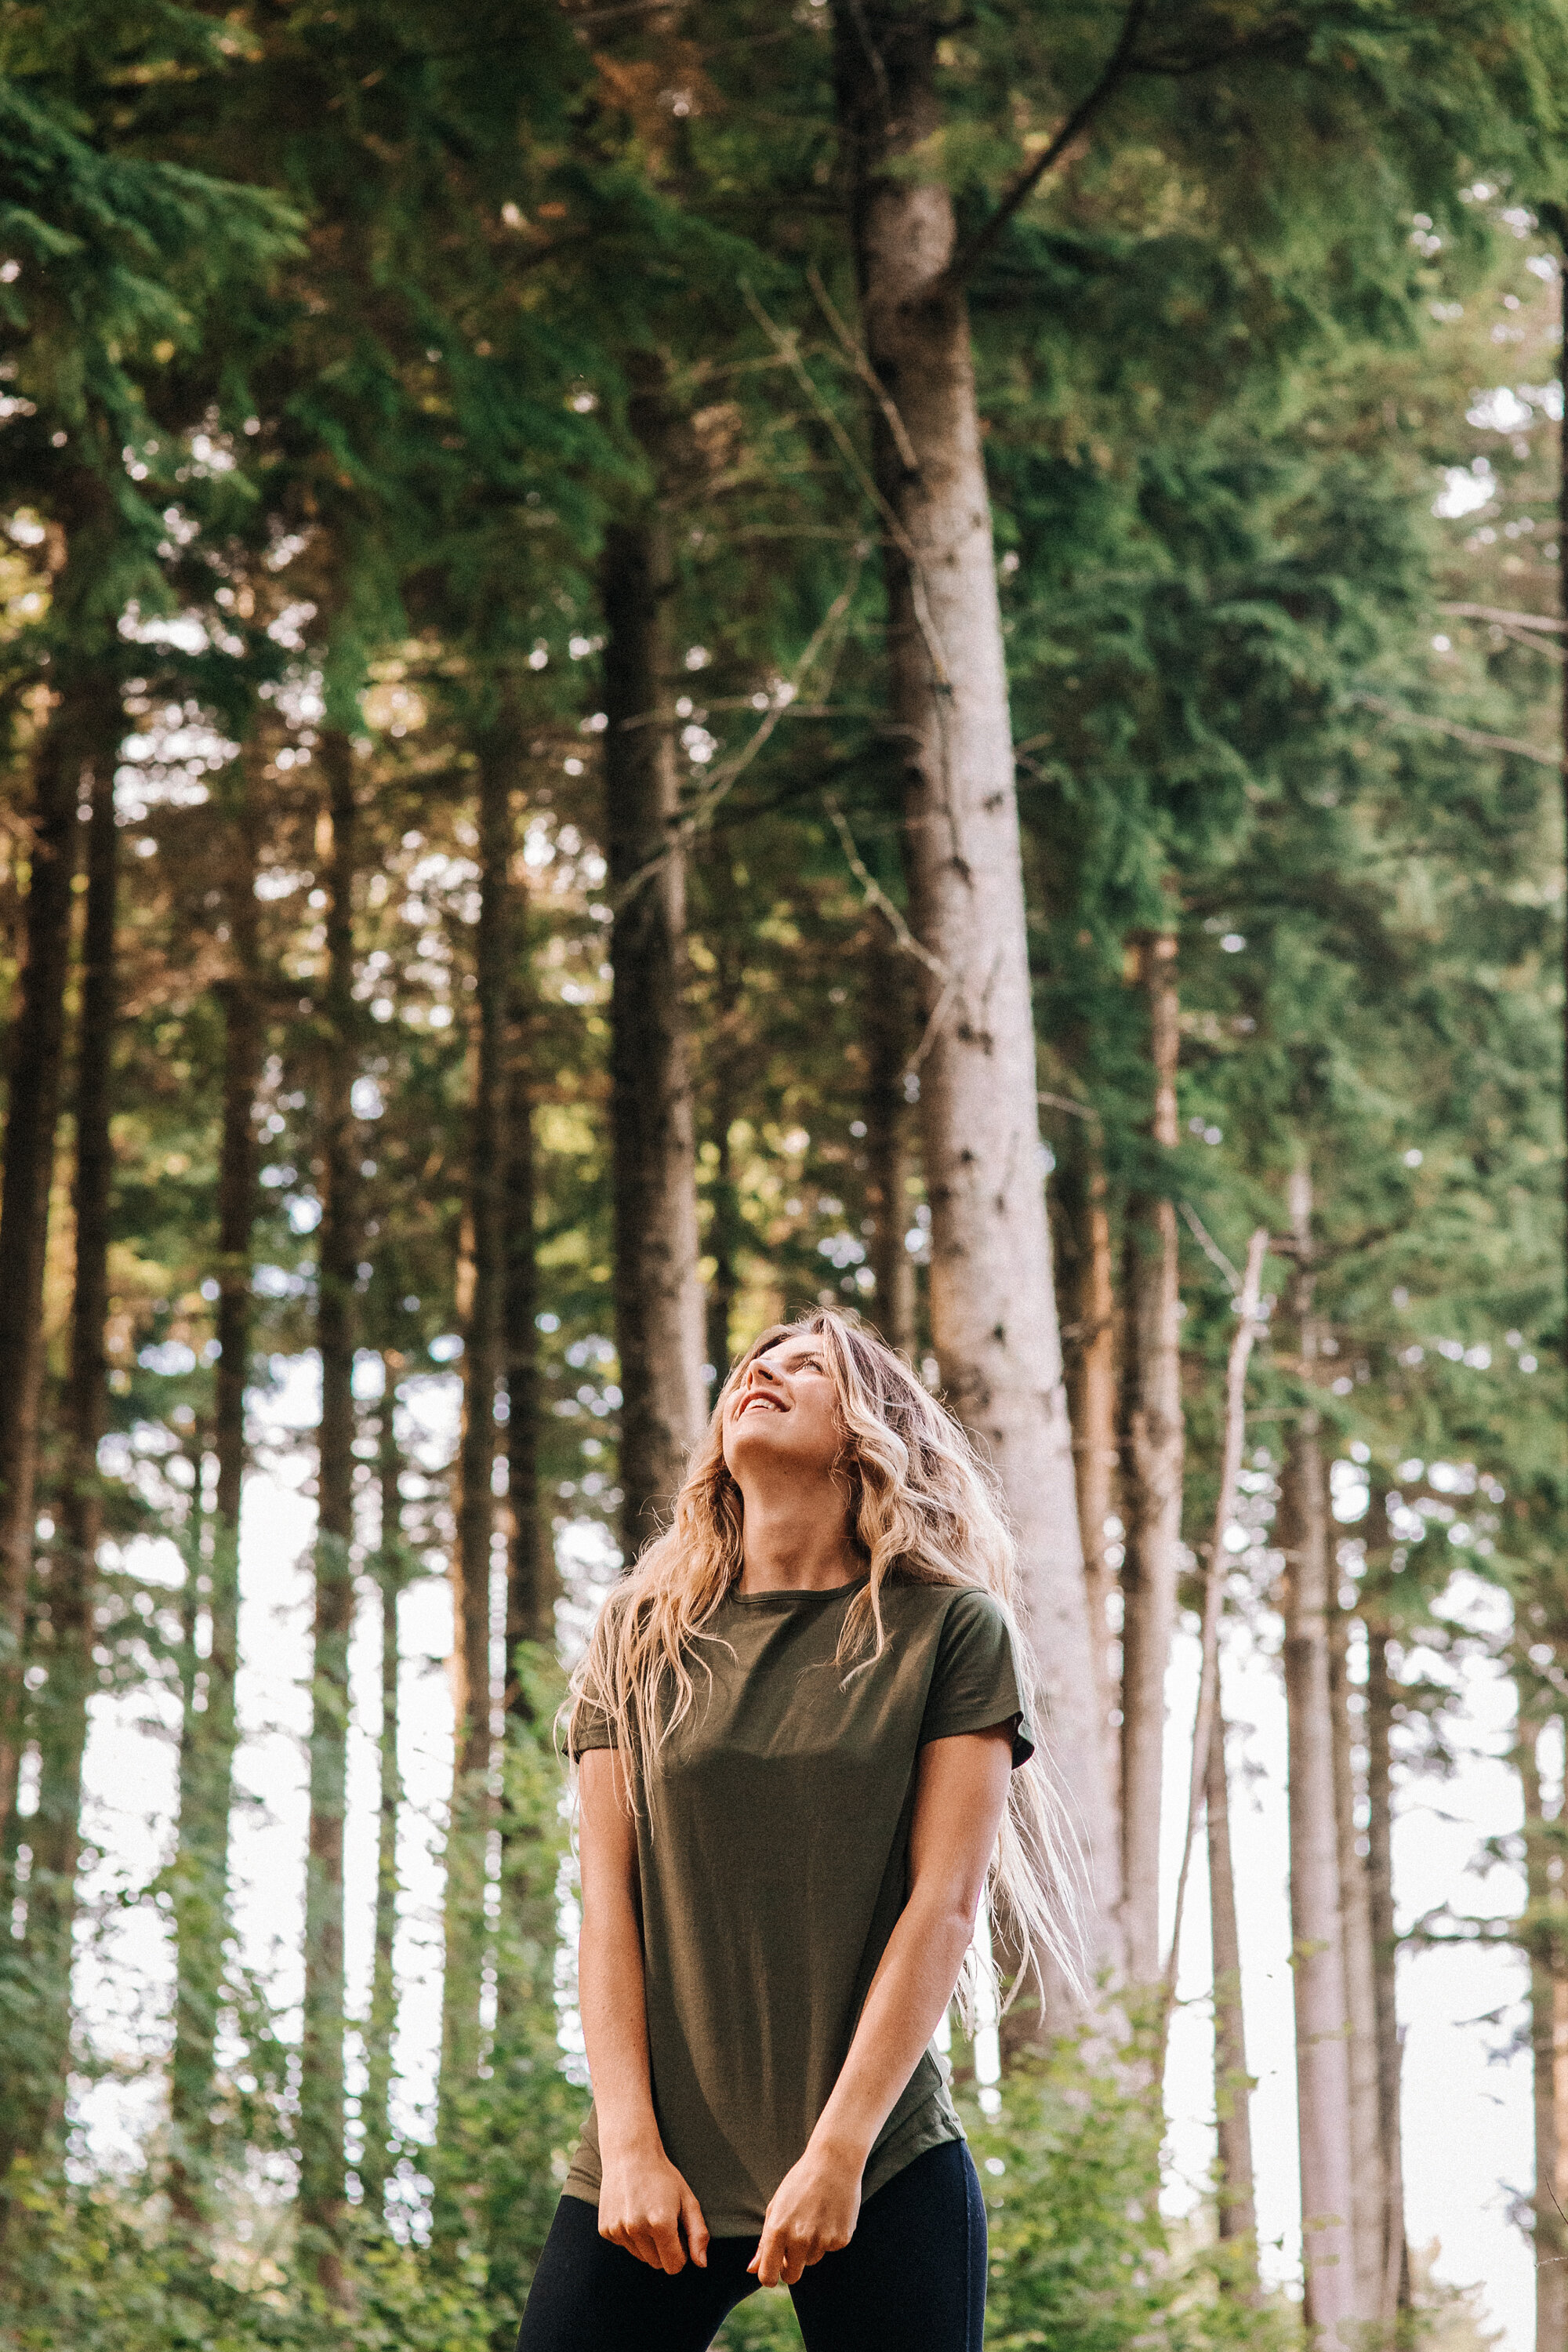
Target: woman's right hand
x: 646, y: 2206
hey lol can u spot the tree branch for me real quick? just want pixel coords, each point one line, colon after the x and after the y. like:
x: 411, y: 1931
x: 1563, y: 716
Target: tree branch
x: 1119, y: 64
x: 1473, y: 736
x: 1249, y: 1322
x: 868, y: 374
x: 1504, y: 620
x: 788, y: 344
x: 729, y: 772
x: 876, y: 897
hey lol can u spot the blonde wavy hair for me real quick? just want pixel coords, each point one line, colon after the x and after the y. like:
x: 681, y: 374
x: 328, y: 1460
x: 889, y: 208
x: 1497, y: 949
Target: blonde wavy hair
x: 924, y: 1509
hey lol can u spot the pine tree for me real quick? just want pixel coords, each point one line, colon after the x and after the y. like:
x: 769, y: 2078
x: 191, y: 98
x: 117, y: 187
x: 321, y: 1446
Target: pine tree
x: 322, y: 2185
x: 1152, y: 1460
x: 659, y: 1325
x: 994, y: 1316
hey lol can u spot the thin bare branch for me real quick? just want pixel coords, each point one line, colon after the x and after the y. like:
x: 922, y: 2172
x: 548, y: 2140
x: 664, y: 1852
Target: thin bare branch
x: 622, y: 8
x: 860, y: 362
x: 1505, y: 620
x: 729, y: 772
x: 1065, y: 1102
x: 876, y: 897
x: 1472, y: 736
x: 1209, y: 1246
x: 1119, y: 64
x: 788, y: 344
x: 1248, y: 1326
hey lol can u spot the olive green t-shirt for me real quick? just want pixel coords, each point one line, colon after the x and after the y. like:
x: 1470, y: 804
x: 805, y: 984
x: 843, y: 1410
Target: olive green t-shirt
x: 773, y: 1860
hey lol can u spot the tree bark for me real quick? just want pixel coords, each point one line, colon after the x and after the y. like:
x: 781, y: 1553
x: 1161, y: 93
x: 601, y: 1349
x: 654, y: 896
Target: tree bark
x: 56, y: 1828
x: 726, y: 1236
x: 993, y: 1303
x: 1369, y: 2199
x: 1091, y: 1400
x: 724, y: 1233
x: 658, y: 1293
x: 1395, y: 2295
x: 532, y: 1583
x: 1555, y: 216
x: 1545, y: 1942
x: 469, y: 1821
x: 375, y: 2112
x: 1322, y: 2069
x: 321, y: 2166
x: 1232, y: 2083
x: 207, y: 1790
x: 1152, y: 1455
x: 886, y: 1035
x: 81, y: 738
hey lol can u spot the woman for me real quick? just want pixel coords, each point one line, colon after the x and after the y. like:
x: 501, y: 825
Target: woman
x: 802, y: 1732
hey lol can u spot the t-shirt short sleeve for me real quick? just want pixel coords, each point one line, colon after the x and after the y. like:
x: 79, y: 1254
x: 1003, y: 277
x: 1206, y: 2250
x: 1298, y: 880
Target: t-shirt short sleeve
x: 589, y: 1727
x: 975, y: 1683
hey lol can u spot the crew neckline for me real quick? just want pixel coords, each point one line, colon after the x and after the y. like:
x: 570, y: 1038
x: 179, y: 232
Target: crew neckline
x: 791, y: 1599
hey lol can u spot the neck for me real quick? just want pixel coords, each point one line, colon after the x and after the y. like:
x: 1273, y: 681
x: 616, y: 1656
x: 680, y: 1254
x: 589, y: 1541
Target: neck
x: 796, y: 1538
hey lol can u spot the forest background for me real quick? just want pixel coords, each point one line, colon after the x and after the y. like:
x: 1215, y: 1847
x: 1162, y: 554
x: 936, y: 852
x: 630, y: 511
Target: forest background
x: 661, y: 662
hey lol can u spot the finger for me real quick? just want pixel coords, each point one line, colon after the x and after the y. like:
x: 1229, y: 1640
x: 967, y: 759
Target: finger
x: 766, y: 2261
x: 696, y: 2228
x: 671, y: 2254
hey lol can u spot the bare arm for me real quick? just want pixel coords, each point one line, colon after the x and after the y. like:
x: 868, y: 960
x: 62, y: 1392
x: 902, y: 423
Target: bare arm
x: 645, y: 2205
x: 960, y: 1795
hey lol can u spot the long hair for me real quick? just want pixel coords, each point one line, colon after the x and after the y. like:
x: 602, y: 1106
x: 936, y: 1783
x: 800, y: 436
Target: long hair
x: 924, y: 1508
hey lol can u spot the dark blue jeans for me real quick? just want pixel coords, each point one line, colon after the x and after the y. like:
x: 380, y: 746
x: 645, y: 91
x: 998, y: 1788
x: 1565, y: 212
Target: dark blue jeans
x: 912, y: 2279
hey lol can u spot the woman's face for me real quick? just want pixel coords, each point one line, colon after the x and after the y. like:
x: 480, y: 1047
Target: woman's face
x: 783, y: 1415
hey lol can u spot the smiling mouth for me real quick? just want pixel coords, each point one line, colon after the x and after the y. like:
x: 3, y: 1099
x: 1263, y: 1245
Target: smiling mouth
x: 759, y: 1397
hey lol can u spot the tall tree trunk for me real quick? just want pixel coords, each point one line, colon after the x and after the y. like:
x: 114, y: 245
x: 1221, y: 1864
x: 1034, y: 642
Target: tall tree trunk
x: 1092, y: 1400
x: 375, y: 2113
x: 321, y: 2168
x: 1151, y: 1453
x: 207, y: 1791
x: 725, y: 1233
x: 1322, y: 2067
x: 886, y: 1035
x: 1395, y: 2295
x: 527, y: 1928
x: 1370, y: 2189
x: 56, y: 1830
x: 1232, y: 2083
x: 81, y: 738
x: 469, y: 1823
x: 658, y: 1293
x: 1555, y: 217
x: 1549, y: 1975
x: 992, y: 1303
x: 1548, y: 1949
x: 532, y: 1584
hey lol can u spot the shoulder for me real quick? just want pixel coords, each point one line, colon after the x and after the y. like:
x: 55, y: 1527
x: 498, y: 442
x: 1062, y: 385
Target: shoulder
x: 953, y: 1626
x: 975, y: 1676
x: 970, y: 1609
x: 947, y: 1613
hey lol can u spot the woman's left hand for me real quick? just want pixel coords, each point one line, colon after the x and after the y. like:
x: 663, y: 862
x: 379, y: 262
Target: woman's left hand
x: 812, y: 2212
